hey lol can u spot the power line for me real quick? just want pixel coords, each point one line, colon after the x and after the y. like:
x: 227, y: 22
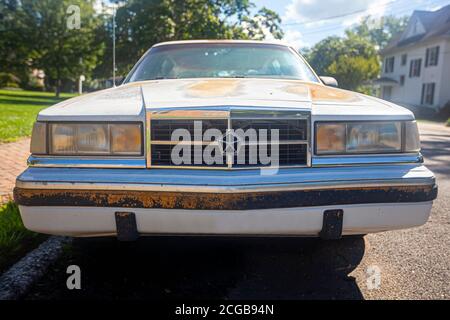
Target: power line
x: 336, y: 16
x: 404, y: 9
x: 330, y: 28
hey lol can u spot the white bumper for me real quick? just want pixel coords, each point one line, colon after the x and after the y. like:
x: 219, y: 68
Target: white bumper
x: 305, y: 221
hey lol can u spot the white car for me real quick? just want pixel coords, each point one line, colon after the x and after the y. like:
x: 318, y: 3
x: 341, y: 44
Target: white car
x: 224, y: 138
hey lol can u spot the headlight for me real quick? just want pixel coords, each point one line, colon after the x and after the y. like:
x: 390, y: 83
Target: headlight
x: 366, y: 137
x: 87, y: 139
x: 126, y: 139
x: 412, y: 137
x: 39, y: 138
x: 330, y: 138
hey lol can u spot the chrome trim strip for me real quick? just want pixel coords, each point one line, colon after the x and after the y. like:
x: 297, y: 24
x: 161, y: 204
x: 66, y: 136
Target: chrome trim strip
x: 346, y: 160
x: 225, y: 189
x: 227, y: 181
x: 189, y: 113
x: 53, y: 162
x: 148, y: 135
x: 223, y: 112
x: 189, y: 143
x: 214, y: 143
x: 229, y: 155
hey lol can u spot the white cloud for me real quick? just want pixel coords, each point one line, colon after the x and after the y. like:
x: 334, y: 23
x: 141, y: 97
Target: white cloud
x: 376, y: 10
x: 308, y: 19
x: 314, y: 13
x: 310, y: 10
x: 294, y: 38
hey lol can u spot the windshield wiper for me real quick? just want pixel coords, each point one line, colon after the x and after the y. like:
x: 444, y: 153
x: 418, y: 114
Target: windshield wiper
x: 158, y: 78
x: 239, y: 77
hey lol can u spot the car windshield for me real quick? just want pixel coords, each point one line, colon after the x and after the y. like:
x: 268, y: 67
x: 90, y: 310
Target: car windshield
x: 221, y: 60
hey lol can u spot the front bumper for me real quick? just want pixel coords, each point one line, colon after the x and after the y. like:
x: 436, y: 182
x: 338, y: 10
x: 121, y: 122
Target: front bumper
x: 288, y: 202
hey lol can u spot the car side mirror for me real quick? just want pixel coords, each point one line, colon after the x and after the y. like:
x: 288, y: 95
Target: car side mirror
x: 329, y: 81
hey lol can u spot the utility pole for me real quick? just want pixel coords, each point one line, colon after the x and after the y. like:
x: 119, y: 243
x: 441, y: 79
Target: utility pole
x: 80, y: 84
x: 114, y: 46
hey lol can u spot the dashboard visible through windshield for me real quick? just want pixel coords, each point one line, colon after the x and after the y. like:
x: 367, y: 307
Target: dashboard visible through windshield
x: 221, y: 60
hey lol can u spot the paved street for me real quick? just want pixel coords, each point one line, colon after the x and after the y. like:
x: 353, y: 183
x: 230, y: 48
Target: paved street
x: 413, y: 263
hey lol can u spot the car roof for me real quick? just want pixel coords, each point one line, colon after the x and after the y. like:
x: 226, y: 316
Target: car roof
x: 272, y: 42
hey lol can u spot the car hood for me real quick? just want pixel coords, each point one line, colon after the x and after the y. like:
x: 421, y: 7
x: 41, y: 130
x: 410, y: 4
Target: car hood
x: 129, y: 101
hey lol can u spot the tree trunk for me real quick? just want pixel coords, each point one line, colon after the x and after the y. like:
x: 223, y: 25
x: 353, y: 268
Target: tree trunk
x: 58, y: 83
x: 58, y: 88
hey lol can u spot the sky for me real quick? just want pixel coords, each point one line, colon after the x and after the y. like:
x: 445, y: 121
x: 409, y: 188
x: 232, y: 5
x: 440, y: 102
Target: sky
x: 306, y: 22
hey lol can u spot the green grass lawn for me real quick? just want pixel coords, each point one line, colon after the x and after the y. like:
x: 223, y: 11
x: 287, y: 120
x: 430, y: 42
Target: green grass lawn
x: 18, y: 110
x: 15, y: 240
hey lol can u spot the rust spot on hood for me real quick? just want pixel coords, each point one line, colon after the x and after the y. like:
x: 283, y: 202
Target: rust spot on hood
x: 325, y: 94
x: 214, y: 88
x: 299, y: 89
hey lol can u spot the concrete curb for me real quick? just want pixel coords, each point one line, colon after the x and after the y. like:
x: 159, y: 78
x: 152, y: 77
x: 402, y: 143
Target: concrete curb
x: 15, y: 282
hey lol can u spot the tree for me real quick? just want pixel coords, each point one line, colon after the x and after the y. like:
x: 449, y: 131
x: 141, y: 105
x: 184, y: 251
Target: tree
x: 14, y: 50
x: 352, y: 60
x: 58, y: 36
x: 324, y: 53
x: 379, y: 31
x: 266, y: 23
x: 351, y: 72
x: 45, y: 35
x: 142, y: 23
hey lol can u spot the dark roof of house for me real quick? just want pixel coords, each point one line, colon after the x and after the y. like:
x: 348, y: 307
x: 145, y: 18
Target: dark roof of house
x: 385, y: 80
x: 436, y: 24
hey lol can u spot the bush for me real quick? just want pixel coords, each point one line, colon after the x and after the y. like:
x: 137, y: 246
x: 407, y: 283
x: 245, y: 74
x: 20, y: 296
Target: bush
x: 448, y: 122
x: 8, y: 80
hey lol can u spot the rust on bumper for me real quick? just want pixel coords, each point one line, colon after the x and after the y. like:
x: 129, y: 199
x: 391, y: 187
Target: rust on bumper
x: 224, y: 201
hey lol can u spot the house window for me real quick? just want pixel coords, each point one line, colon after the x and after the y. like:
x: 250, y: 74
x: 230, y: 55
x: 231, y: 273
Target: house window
x: 414, y: 68
x: 404, y: 58
x: 432, y: 56
x: 402, y: 80
x: 389, y: 65
x: 428, y: 93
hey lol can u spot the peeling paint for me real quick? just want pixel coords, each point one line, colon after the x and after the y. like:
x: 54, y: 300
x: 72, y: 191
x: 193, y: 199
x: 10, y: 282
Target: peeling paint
x: 326, y: 94
x: 213, y: 88
x: 225, y: 201
x: 298, y: 89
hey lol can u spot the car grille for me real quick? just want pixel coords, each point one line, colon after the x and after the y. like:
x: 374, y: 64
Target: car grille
x: 161, y: 130
x: 161, y: 156
x: 292, y: 143
x: 289, y: 129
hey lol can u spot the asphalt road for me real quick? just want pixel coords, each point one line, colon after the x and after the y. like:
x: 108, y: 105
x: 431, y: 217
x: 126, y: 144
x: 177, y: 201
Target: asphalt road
x: 411, y: 264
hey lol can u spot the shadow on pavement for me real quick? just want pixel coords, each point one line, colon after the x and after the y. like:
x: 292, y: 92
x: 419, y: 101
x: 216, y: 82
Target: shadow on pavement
x: 208, y: 268
x: 436, y: 150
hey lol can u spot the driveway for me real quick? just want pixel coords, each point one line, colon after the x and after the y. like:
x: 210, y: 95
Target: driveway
x: 408, y: 264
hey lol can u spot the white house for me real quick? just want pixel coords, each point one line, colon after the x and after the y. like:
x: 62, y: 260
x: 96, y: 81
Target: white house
x: 416, y: 63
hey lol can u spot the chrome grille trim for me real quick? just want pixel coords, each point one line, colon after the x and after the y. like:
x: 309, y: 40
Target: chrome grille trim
x: 228, y: 113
